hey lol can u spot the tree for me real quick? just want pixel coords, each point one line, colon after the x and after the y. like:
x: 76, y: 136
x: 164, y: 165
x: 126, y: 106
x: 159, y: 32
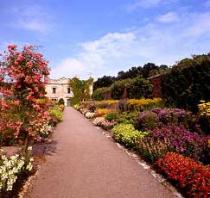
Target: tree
x: 105, y: 81
x: 188, y: 82
x: 24, y: 106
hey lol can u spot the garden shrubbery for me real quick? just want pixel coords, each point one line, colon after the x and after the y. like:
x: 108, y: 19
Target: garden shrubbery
x: 137, y: 87
x: 13, y: 167
x: 140, y: 104
x: 183, y: 141
x: 24, y: 111
x: 192, y: 177
x: 188, y: 83
x: 102, y: 93
x: 164, y: 116
x: 204, y: 111
x: 56, y: 114
x: 127, y: 134
x: 152, y: 148
x: 169, y: 132
x: 153, y: 131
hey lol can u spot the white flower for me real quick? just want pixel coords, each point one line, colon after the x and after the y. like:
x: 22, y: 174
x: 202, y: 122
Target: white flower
x: 30, y: 148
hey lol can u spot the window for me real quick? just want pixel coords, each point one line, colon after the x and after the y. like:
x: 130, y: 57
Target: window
x: 68, y: 90
x: 54, y: 90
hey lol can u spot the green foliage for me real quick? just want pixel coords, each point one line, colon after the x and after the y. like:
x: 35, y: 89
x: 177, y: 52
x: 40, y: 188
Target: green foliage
x: 112, y: 116
x: 146, y: 71
x: 140, y: 104
x: 127, y: 134
x: 61, y: 101
x: 101, y: 93
x: 127, y: 117
x: 147, y: 120
x: 118, y: 88
x: 56, y: 114
x: 188, y: 82
x: 139, y: 87
x: 131, y: 88
x: 104, y: 81
x: 152, y: 148
x: 81, y: 90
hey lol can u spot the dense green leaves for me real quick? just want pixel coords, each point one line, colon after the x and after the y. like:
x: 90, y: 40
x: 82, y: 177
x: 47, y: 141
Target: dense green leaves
x: 101, y: 93
x: 128, y: 88
x: 188, y: 82
x: 81, y: 90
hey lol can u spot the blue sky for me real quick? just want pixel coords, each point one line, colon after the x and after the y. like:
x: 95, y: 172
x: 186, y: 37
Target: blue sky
x: 94, y: 37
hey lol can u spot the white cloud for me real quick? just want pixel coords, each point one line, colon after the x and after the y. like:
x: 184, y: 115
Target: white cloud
x: 168, y: 17
x: 32, y: 18
x: 94, y: 55
x: 68, y: 67
x: 154, y: 42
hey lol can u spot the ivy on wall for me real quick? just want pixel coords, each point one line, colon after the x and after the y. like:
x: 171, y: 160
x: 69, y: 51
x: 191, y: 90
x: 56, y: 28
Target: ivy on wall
x: 81, y: 89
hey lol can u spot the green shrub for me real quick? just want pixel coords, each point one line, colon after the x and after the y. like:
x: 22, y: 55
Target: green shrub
x: 139, y: 88
x: 127, y: 117
x: 131, y: 88
x: 101, y: 93
x: 56, y: 114
x: 146, y: 120
x: 127, y: 135
x: 118, y: 88
x: 61, y: 101
x: 112, y: 116
x: 188, y: 83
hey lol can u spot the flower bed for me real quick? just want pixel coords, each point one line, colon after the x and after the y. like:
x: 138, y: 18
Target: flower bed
x: 102, y: 122
x: 157, y: 133
x: 160, y: 117
x: 192, y: 177
x: 141, y: 104
x: 102, y: 112
x: 11, y: 168
x: 184, y: 141
x: 127, y: 135
x: 152, y: 148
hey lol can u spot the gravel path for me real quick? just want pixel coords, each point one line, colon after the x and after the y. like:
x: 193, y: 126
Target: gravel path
x: 86, y: 164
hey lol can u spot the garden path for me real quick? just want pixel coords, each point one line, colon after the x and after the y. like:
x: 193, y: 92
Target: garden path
x: 86, y: 164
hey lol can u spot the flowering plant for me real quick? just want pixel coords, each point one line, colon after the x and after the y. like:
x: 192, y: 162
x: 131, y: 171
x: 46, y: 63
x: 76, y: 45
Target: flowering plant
x: 106, y: 103
x: 89, y: 115
x: 190, y: 175
x: 102, y: 112
x: 12, y: 167
x: 152, y: 148
x: 204, y: 112
x: 127, y: 134
x: 22, y: 83
x: 160, y: 117
x: 144, y: 104
x: 183, y: 141
x: 97, y: 121
x: 204, y: 108
x: 107, y: 125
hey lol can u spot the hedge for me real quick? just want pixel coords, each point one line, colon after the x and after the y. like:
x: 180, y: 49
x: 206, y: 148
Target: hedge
x: 188, y: 83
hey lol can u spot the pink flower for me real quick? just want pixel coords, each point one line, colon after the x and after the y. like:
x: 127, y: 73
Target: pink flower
x: 12, y: 47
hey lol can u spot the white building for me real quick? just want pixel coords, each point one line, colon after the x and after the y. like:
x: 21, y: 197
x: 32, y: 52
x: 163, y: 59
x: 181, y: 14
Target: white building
x: 59, y: 89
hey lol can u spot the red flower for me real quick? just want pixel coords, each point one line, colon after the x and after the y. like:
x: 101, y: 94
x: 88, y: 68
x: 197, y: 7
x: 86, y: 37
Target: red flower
x: 189, y: 174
